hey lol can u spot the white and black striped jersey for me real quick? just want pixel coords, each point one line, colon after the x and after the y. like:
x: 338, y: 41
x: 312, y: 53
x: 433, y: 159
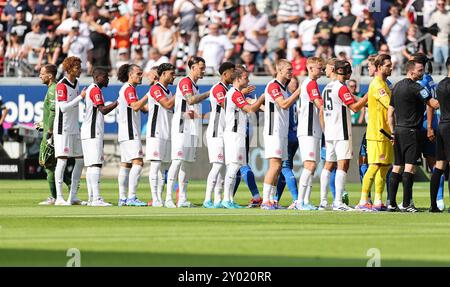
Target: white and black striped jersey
x: 181, y: 123
x: 308, y: 123
x: 276, y: 119
x: 129, y: 121
x: 66, y: 123
x: 217, y: 116
x: 235, y: 118
x: 94, y: 124
x: 159, y: 118
x: 336, y: 98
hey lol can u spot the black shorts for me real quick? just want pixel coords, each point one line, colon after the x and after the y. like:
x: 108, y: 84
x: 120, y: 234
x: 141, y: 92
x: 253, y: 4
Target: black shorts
x: 443, y: 142
x: 408, y: 147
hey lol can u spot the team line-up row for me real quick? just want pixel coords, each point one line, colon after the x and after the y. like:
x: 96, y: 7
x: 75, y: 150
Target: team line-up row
x: 174, y: 132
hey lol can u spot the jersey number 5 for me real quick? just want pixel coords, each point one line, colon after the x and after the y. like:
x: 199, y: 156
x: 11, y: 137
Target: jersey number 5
x: 328, y: 101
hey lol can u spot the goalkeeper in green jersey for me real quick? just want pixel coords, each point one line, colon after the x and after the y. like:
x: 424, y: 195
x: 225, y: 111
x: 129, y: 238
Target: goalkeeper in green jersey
x: 47, y: 150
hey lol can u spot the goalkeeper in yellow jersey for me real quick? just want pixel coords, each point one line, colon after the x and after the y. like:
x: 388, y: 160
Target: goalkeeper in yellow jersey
x: 379, y: 148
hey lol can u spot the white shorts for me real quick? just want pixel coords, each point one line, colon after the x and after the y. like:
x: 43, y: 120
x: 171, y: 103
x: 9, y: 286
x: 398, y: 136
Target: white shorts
x: 157, y: 149
x: 338, y: 150
x: 235, y: 151
x: 216, y: 150
x: 129, y: 150
x: 309, y: 148
x: 275, y: 147
x: 184, y: 147
x: 68, y: 146
x: 92, y: 151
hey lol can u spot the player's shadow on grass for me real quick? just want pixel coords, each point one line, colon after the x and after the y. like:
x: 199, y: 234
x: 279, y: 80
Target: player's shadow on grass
x: 27, y: 257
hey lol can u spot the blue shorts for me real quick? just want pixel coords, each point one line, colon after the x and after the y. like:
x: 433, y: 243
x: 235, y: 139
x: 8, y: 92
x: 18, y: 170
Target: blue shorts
x: 292, y: 149
x: 363, y: 148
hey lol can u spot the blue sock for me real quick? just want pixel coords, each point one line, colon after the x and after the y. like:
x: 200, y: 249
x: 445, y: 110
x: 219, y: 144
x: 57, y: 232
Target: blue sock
x: 440, y: 195
x: 290, y: 182
x: 280, y: 187
x: 165, y: 176
x: 362, y: 171
x: 238, y: 181
x: 249, y: 178
x: 332, y: 183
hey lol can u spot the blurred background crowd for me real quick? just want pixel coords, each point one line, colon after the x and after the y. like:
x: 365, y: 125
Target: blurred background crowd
x: 256, y: 33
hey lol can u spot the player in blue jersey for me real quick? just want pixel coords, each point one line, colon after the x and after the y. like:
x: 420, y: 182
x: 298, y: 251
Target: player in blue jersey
x: 287, y: 175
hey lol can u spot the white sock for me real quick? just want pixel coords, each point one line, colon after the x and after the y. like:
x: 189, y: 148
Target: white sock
x: 59, y: 177
x: 95, y: 182
x: 183, y: 177
x: 88, y: 183
x: 308, y: 190
x: 135, y: 174
x: 153, y: 179
x: 171, y: 174
x: 230, y: 181
x: 212, y: 180
x: 324, y: 181
x: 267, y: 188
x: 341, y: 177
x: 76, y: 175
x: 218, y: 188
x: 123, y: 178
x: 303, y: 185
x: 160, y: 186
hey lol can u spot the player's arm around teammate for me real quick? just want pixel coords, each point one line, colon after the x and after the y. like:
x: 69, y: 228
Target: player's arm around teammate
x: 276, y: 128
x: 92, y: 133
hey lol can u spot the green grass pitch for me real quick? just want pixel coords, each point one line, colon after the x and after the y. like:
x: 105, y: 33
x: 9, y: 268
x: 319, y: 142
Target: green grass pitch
x: 32, y: 235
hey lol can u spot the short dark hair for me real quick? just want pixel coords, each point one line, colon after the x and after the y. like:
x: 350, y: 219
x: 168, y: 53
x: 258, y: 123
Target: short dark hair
x: 124, y: 71
x: 165, y: 67
x: 194, y: 60
x: 379, y: 60
x: 447, y: 63
x: 411, y: 64
x: 51, y: 69
x: 226, y: 66
x: 421, y: 58
x: 99, y: 71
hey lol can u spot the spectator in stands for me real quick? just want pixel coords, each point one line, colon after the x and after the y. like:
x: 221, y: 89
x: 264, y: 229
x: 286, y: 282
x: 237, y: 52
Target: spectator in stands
x: 120, y: 33
x: 161, y: 7
x: 13, y: 55
x: 78, y: 46
x: 137, y: 57
x: 384, y: 49
x: 299, y: 63
x: 358, y: 117
x: 394, y: 30
x: 181, y: 53
x: 215, y: 48
x: 232, y: 17
x: 247, y: 59
x: 367, y: 25
x: 253, y: 26
x: 211, y: 15
x: 33, y: 42
x: 124, y: 58
x: 306, y: 33
x: 292, y: 41
x: 141, y: 23
x: 412, y: 46
x: 20, y: 25
x: 47, y: 13
x: 290, y: 11
x: 3, y: 44
x: 187, y: 11
x: 30, y: 10
x: 164, y: 36
x: 276, y: 37
x: 318, y: 5
x: 51, y: 51
x: 343, y: 30
x: 361, y: 50
x: 99, y: 28
x: 323, y: 36
x: 102, y: 7
x: 65, y: 28
x: 9, y: 13
x: 270, y: 65
x: 440, y: 42
x: 155, y: 59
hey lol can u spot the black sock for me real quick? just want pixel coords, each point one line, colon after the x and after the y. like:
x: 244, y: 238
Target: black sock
x: 434, y: 185
x: 408, y: 180
x: 394, y: 181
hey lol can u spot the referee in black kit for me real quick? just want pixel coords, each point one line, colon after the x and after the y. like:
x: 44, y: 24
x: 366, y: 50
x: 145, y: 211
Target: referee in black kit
x: 442, y: 138
x: 405, y: 113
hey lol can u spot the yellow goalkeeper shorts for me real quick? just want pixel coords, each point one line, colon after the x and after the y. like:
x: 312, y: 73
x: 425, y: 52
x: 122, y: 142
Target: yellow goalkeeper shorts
x: 381, y: 152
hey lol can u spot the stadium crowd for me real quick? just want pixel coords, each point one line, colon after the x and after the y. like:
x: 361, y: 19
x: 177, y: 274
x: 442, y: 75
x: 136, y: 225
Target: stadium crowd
x: 256, y: 33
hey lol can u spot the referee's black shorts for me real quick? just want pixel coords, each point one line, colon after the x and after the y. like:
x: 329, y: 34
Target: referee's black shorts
x: 443, y: 142
x: 407, y: 147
